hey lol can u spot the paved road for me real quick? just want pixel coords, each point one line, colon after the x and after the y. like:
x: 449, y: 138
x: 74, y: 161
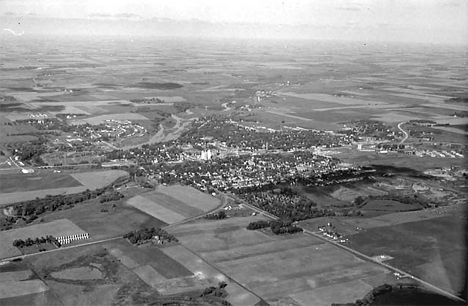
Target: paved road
x: 363, y: 256
x: 404, y: 132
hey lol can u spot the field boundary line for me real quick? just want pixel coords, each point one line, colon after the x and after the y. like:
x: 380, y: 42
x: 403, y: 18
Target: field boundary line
x: 365, y: 257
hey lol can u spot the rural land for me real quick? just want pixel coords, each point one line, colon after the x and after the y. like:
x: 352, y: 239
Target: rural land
x: 172, y: 172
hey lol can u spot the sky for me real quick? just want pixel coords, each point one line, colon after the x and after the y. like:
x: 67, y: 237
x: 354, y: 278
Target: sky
x: 422, y: 21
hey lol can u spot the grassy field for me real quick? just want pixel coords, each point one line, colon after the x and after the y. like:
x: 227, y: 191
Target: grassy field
x: 15, y: 276
x: 431, y: 249
x: 274, y: 268
x: 56, y: 228
x: 13, y: 289
x: 36, y: 181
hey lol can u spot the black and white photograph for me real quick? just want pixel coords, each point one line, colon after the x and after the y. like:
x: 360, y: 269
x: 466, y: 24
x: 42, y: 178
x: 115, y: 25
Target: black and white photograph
x: 233, y: 153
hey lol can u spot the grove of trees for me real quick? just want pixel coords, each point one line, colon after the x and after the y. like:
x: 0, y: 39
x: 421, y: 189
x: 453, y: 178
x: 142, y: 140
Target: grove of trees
x: 144, y: 235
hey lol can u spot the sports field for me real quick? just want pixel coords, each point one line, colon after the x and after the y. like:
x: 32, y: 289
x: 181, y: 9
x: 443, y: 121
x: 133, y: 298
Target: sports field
x: 297, y: 266
x: 56, y: 228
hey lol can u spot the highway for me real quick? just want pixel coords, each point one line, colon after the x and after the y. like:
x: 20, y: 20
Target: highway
x: 403, y: 131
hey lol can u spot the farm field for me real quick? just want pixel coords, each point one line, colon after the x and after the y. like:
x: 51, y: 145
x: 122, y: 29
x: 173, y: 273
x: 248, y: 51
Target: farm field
x: 98, y: 179
x: 36, y: 181
x: 173, y: 204
x: 56, y: 228
x: 431, y: 249
x: 154, y: 209
x: 190, y: 196
x: 271, y: 267
x: 117, y: 221
x: 43, y: 184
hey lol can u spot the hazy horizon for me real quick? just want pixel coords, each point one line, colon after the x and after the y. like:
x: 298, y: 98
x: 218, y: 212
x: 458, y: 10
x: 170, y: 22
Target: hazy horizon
x: 443, y: 22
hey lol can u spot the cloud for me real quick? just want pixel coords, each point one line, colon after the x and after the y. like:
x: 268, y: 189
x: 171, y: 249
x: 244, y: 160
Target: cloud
x: 127, y: 16
x: 114, y: 17
x: 349, y: 8
x: 99, y: 15
x: 10, y: 14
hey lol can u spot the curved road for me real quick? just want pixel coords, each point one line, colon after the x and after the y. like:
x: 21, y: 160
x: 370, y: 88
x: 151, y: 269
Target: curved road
x: 403, y: 131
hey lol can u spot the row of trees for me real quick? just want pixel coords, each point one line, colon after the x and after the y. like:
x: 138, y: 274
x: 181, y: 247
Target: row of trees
x: 277, y: 227
x: 20, y: 243
x: 404, y: 199
x: 286, y: 206
x: 216, y: 216
x: 146, y: 234
x: 51, y: 203
x: 110, y: 196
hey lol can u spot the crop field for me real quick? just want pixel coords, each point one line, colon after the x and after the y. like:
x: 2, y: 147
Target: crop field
x: 190, y: 196
x: 341, y: 293
x: 418, y: 247
x: 164, y: 265
x: 204, y: 271
x: 36, y: 181
x: 172, y: 204
x: 14, y: 197
x: 99, y: 179
x: 56, y: 228
x: 154, y: 209
x: 101, y: 225
x: 82, y: 181
x: 272, y: 268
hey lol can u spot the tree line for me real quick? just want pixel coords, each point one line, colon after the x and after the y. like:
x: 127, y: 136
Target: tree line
x: 20, y: 243
x: 277, y: 227
x: 146, y: 234
x: 216, y: 216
